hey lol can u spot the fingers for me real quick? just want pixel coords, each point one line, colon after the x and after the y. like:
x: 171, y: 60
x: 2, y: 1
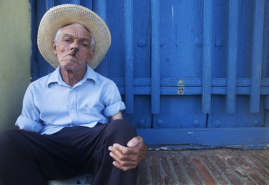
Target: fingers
x: 128, y: 157
x: 124, y: 168
x: 125, y: 161
x: 135, y: 141
x: 122, y: 153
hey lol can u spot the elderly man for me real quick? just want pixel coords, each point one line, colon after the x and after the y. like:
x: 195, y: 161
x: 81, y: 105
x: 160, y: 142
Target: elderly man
x: 64, y: 126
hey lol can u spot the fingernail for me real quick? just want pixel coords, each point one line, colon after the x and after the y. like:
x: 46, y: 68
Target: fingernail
x: 110, y: 148
x: 131, y: 144
x: 111, y: 154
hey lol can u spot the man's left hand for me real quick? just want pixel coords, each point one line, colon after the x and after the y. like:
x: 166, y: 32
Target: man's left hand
x: 127, y: 158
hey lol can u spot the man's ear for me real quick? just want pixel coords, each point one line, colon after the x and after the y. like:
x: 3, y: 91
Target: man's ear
x: 91, y: 56
x: 54, y: 45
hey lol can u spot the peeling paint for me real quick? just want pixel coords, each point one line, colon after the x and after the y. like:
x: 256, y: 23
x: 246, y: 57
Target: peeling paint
x: 180, y: 90
x: 181, y: 82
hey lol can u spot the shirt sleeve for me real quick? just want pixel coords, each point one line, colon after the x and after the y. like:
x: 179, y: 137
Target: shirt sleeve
x: 30, y: 115
x: 112, y: 101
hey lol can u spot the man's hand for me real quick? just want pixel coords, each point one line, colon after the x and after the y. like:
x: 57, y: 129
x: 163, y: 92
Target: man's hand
x: 127, y: 158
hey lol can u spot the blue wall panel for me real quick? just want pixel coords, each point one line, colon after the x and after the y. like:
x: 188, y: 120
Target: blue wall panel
x: 182, y: 64
x: 181, y: 57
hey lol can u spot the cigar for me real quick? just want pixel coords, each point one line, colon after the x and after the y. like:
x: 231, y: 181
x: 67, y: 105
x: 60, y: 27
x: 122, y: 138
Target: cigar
x: 75, y: 50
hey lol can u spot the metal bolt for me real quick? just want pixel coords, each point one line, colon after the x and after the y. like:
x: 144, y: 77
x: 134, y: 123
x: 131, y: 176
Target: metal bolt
x: 159, y: 123
x: 141, y: 123
x: 141, y: 42
x: 198, y: 41
x: 219, y: 42
x: 196, y: 123
x: 217, y: 124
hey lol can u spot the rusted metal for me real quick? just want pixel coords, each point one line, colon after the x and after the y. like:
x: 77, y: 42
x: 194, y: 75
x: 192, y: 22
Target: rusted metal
x: 180, y: 90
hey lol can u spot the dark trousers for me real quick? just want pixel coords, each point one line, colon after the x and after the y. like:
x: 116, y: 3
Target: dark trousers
x: 27, y: 158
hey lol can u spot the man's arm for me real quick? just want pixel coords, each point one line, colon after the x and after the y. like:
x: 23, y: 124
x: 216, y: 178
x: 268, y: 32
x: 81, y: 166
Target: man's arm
x: 30, y: 116
x: 127, y: 158
x: 117, y: 116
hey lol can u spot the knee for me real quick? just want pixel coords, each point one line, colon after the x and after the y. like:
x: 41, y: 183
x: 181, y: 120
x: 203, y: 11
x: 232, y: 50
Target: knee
x: 122, y: 126
x: 5, y: 136
x: 6, y: 140
x: 9, y: 139
x: 121, y: 130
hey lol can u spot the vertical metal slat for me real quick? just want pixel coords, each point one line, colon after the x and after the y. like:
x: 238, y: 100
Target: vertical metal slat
x: 101, y: 11
x: 232, y: 61
x: 207, y: 57
x: 35, y: 74
x: 75, y: 2
x: 155, y: 57
x: 129, y: 71
x: 50, y: 4
x: 86, y: 3
x: 257, y: 56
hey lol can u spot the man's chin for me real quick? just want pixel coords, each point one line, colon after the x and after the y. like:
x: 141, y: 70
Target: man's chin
x: 68, y: 67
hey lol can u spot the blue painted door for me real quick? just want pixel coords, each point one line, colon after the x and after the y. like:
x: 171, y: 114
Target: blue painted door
x: 192, y: 73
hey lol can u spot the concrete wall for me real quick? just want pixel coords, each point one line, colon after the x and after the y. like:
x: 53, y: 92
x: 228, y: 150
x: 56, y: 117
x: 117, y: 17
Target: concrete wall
x: 15, y: 53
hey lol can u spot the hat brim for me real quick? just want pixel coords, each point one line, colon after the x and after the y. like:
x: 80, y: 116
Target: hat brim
x: 62, y: 15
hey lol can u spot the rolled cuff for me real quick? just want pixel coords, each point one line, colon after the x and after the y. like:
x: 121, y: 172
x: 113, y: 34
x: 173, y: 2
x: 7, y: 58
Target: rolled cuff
x: 28, y: 124
x: 114, y: 109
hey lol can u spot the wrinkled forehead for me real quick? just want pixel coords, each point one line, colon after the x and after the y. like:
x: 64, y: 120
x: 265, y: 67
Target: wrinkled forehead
x: 76, y: 30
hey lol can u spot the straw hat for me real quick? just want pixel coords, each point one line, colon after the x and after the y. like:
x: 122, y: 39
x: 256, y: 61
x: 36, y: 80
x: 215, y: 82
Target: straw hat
x: 65, y: 14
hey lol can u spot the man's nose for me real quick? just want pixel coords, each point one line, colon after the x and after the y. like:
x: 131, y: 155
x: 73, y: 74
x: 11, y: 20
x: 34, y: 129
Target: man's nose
x: 74, y: 43
x: 74, y: 51
x: 74, y: 47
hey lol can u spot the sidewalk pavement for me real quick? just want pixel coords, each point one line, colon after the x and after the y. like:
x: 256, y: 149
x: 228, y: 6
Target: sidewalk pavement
x: 209, y: 166
x: 197, y: 167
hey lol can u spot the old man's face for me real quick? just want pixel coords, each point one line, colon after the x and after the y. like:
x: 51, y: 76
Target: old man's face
x: 73, y: 36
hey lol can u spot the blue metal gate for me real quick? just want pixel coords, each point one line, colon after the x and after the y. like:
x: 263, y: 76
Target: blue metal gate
x: 193, y: 73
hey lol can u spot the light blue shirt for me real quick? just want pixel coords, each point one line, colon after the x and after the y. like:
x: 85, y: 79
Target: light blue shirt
x: 50, y: 104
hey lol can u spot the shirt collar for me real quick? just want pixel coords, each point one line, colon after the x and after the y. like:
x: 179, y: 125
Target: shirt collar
x: 55, y: 76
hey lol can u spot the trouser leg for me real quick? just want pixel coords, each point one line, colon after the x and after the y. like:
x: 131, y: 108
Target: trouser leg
x: 120, y: 132
x: 96, y: 158
x: 15, y: 170
x: 30, y: 158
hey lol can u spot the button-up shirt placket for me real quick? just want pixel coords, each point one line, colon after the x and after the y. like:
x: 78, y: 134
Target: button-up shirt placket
x: 73, y: 105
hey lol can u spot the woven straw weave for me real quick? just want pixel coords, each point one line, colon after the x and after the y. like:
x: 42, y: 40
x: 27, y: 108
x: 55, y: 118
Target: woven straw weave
x: 65, y: 14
